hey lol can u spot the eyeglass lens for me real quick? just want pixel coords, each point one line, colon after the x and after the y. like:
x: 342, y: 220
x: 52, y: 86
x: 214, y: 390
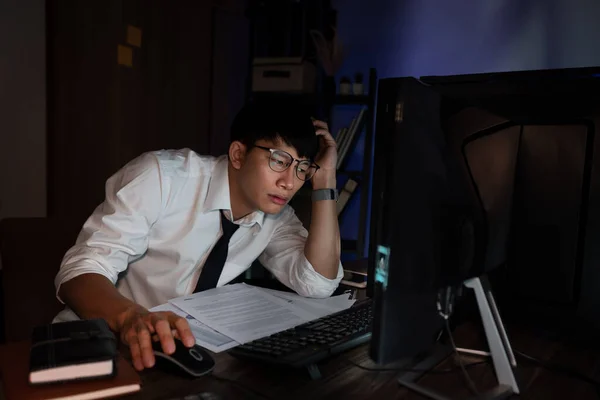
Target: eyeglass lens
x: 280, y: 161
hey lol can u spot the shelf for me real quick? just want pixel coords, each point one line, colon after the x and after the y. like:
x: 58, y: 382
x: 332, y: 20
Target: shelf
x: 312, y: 99
x: 322, y: 104
x: 316, y: 98
x: 342, y: 99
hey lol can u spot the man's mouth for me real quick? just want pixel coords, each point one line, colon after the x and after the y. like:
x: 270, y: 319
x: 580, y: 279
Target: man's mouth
x: 278, y: 199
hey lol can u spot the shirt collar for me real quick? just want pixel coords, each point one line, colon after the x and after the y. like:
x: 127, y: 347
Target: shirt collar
x: 217, y: 197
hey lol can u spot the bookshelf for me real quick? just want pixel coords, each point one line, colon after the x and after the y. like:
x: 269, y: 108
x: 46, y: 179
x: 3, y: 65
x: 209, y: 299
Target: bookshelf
x: 356, y: 247
x: 324, y: 106
x: 295, y: 45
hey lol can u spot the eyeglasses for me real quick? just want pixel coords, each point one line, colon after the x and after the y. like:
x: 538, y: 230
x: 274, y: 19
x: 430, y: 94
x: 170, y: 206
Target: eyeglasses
x: 281, y: 160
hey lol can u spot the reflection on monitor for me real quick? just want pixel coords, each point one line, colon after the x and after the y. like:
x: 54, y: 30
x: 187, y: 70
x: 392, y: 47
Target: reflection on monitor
x: 472, y: 173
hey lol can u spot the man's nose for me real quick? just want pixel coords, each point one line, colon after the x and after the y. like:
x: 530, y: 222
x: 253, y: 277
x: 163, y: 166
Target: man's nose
x: 286, y: 179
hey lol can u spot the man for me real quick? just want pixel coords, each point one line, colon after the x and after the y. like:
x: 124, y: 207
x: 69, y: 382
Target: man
x: 166, y: 211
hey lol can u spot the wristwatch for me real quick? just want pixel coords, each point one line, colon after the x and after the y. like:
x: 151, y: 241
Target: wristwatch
x: 324, y: 194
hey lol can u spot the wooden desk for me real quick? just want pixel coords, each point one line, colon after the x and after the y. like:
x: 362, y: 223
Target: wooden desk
x: 343, y: 380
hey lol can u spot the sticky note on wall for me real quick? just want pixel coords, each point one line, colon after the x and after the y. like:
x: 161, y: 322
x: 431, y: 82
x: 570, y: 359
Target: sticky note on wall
x: 124, y: 55
x: 134, y: 36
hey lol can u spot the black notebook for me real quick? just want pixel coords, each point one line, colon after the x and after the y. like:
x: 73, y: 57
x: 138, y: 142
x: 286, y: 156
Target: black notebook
x: 75, y: 350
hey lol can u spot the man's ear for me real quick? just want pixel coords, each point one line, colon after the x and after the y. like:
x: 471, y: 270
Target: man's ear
x: 237, y: 154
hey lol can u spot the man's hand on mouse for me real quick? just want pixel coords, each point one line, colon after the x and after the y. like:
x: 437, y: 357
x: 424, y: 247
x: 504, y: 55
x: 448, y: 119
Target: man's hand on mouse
x: 137, y: 326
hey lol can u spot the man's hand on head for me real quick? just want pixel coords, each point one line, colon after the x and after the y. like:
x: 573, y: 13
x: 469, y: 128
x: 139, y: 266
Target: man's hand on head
x: 326, y: 157
x: 137, y: 327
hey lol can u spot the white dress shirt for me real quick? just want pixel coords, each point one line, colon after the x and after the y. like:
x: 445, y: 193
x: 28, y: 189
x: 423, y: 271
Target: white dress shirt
x: 159, y: 221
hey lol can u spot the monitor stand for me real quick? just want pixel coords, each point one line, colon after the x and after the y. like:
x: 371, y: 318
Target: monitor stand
x: 500, y: 349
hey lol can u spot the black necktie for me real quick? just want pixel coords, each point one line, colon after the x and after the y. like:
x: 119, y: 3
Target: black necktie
x: 209, y: 277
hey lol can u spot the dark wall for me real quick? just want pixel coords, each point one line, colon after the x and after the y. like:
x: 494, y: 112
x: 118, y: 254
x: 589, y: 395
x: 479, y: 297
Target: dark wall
x: 103, y: 114
x: 230, y: 71
x: 416, y: 37
x: 22, y: 109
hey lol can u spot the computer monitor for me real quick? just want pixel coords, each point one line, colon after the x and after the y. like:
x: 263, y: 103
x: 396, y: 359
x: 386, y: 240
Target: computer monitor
x: 453, y: 158
x: 427, y: 231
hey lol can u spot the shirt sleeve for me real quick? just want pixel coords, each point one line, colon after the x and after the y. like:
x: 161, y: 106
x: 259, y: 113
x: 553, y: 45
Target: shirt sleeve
x: 117, y: 231
x: 284, y: 258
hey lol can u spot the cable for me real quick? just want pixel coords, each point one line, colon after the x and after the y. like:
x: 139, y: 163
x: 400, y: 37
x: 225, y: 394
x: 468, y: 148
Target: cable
x: 466, y: 375
x: 241, y: 386
x: 445, y: 307
x: 416, y: 370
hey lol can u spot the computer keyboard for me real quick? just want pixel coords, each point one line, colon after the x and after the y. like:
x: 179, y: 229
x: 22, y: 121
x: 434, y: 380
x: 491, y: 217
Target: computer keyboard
x: 313, y: 341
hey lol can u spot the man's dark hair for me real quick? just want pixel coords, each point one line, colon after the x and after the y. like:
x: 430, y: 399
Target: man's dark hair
x: 272, y: 121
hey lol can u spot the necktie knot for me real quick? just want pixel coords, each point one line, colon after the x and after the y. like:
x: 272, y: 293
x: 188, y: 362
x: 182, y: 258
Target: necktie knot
x: 227, y: 226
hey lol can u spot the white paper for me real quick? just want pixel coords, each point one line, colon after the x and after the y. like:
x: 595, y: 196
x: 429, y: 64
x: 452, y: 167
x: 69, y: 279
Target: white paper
x: 318, y: 308
x: 205, y: 336
x: 242, y: 312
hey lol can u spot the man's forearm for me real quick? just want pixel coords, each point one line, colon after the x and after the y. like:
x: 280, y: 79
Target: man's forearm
x: 94, y: 296
x: 323, y: 246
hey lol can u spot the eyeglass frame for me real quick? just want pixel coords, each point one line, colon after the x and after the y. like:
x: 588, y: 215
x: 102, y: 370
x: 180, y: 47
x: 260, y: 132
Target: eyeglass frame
x: 312, y: 163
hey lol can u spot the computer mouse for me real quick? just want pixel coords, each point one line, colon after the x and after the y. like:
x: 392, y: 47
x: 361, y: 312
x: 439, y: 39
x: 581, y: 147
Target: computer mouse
x: 188, y: 361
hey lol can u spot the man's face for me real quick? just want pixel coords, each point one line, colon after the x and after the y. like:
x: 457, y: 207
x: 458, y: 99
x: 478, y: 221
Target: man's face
x: 264, y: 189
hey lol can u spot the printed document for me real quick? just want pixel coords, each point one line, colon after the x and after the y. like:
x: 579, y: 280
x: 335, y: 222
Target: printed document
x: 318, y: 308
x: 225, y: 317
x: 205, y: 336
x: 242, y: 312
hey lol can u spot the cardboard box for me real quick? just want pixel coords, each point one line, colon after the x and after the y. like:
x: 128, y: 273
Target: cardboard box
x: 283, y: 75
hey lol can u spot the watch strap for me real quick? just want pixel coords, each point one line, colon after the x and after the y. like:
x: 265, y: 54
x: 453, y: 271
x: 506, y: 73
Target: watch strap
x: 324, y: 194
